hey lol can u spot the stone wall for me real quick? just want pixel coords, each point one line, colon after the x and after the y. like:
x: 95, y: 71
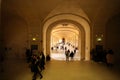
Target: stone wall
x: 112, y: 36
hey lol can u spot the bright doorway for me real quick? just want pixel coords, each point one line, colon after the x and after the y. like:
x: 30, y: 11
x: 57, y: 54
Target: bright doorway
x: 64, y: 37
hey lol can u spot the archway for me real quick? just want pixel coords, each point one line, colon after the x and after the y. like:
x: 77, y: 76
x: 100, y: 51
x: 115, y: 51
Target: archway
x: 82, y: 25
x: 65, y: 36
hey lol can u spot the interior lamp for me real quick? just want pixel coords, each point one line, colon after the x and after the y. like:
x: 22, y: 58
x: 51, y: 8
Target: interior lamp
x: 99, y: 39
x: 34, y: 39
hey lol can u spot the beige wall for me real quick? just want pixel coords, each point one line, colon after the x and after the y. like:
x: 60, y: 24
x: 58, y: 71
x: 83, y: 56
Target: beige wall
x: 14, y: 35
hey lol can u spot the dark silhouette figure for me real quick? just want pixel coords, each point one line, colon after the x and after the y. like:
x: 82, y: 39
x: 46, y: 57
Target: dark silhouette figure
x: 35, y: 67
x: 28, y: 55
x: 65, y: 48
x: 109, y: 57
x: 71, y: 55
x: 48, y: 57
x: 52, y: 48
x: 67, y: 52
x: 75, y: 51
x: 42, y: 61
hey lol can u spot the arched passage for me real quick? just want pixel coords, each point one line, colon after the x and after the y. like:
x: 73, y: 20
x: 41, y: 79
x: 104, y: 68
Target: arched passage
x: 82, y: 25
x: 72, y: 39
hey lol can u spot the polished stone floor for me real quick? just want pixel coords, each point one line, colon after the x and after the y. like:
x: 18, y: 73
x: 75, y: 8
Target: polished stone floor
x: 17, y: 69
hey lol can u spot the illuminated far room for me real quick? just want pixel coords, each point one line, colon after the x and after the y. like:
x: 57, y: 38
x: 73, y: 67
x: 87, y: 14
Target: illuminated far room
x: 64, y: 37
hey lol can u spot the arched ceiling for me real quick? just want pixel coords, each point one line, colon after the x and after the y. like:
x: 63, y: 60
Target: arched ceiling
x: 64, y: 30
x: 35, y: 11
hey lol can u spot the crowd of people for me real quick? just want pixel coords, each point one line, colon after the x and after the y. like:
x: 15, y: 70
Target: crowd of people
x: 37, y: 59
x: 69, y: 54
x: 69, y: 49
x: 105, y: 56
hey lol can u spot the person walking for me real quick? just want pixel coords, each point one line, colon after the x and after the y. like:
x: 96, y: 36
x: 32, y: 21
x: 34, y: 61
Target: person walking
x: 42, y: 61
x: 35, y: 68
x: 67, y: 52
x: 71, y: 55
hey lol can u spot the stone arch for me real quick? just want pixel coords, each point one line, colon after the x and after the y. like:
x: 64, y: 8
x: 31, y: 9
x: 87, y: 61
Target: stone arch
x: 77, y: 26
x: 75, y: 19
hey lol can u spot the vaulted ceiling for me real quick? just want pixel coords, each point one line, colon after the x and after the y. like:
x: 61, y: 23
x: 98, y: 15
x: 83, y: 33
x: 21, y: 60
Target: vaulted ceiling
x: 38, y: 10
x: 65, y: 31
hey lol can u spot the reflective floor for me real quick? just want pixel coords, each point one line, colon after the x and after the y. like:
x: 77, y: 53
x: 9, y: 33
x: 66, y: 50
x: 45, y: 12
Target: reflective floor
x: 17, y: 69
x: 62, y: 57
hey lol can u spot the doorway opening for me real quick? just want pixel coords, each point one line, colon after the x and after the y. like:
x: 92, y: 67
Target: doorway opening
x: 67, y: 29
x: 65, y: 37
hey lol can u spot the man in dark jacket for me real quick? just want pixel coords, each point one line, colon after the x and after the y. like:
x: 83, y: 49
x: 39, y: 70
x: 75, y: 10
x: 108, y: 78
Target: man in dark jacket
x: 36, y: 69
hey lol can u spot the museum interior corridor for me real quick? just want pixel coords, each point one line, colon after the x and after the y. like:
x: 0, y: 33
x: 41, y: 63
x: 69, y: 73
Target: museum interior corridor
x: 59, y: 70
x: 89, y: 28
